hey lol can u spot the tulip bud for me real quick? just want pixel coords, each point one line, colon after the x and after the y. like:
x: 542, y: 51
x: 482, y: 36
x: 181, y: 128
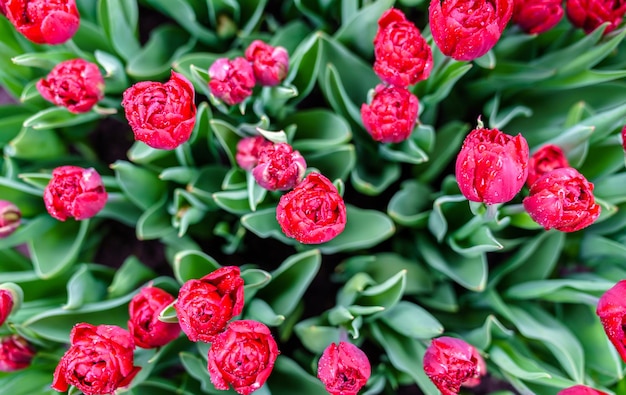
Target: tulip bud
x: 6, y: 304
x: 562, y: 199
x: 612, y: 312
x: 74, y: 192
x: 537, y: 16
x: 392, y: 114
x: 15, y: 353
x: 10, y: 218
x: 590, y: 14
x: 468, y: 29
x: 544, y: 160
x: 403, y: 56
x: 249, y: 149
x: 44, y: 21
x: 231, y: 81
x: 580, y: 390
x: 343, y: 368
x: 144, y: 324
x: 75, y: 84
x: 313, y: 212
x: 451, y: 363
x: 279, y: 168
x: 492, y: 166
x: 270, y: 64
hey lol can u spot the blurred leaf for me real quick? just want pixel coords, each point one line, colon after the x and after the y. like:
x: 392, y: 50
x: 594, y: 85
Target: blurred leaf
x: 256, y: 193
x: 259, y: 310
x: 44, y: 60
x: 114, y: 72
x: 318, y: 129
x: 411, y: 320
x: 254, y: 280
x: 373, y: 182
x: 36, y: 144
x: 131, y: 274
x: 155, y: 222
x: 359, y: 28
x: 288, y: 375
x: 334, y: 162
x: 556, y: 289
x: 141, y: 185
x: 316, y: 336
x: 83, y: 288
x: 235, y: 202
x: 118, y: 19
x: 183, y: 13
x: 482, y: 337
x: 196, y: 367
x: 305, y: 63
x: 228, y: 138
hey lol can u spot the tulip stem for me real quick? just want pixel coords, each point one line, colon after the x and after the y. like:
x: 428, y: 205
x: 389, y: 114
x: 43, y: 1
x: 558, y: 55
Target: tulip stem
x: 491, y: 213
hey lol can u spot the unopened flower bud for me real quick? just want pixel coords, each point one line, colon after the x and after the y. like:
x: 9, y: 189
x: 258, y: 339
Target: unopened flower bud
x: 343, y: 368
x: 43, y: 21
x: 249, y: 149
x: 392, y: 114
x: 279, y: 168
x: 6, y: 304
x: 544, y: 160
x: 74, y: 192
x: 580, y: 390
x: 612, y: 312
x: 270, y: 64
x: 231, y: 80
x: 10, y: 218
x: 537, y: 16
x: 15, y: 353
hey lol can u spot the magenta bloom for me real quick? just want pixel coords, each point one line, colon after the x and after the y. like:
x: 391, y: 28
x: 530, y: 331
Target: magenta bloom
x: 249, y: 149
x: 6, y: 304
x: 279, y: 167
x: 468, y: 29
x: 392, y: 114
x: 403, y: 56
x: 242, y: 356
x: 492, y: 166
x: 562, y: 199
x: 231, y: 81
x: 144, y: 324
x: 590, y: 14
x: 537, y: 16
x: 205, y: 306
x: 10, y: 219
x: 99, y: 361
x: 15, y: 353
x: 74, y: 192
x: 313, y: 212
x: 161, y: 115
x: 43, y: 21
x: 612, y: 312
x: 343, y: 368
x: 544, y: 160
x: 75, y: 84
x: 270, y: 64
x: 451, y: 363
x: 581, y: 390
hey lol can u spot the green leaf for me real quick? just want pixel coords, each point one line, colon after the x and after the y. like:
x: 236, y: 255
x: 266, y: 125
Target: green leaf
x: 114, y: 73
x: 196, y: 367
x: 44, y: 60
x: 259, y: 310
x: 408, y: 205
x: 155, y: 222
x: 189, y: 264
x: 236, y: 202
x: 182, y: 12
x: 254, y: 279
x: 386, y: 294
x: 305, y: 63
x: 141, y: 185
x: 561, y: 290
x: 411, y: 320
x: 83, y: 288
x: 318, y: 129
x: 315, y: 336
x: 31, y: 230
x: 228, y: 138
x: 256, y: 193
x: 359, y: 28
x: 373, y: 181
x: 288, y: 375
x: 437, y: 222
x: 482, y: 337
x: 118, y: 19
x: 334, y: 162
x: 57, y: 249
x: 131, y: 274
x: 35, y: 145
x: 517, y: 365
x: 290, y: 281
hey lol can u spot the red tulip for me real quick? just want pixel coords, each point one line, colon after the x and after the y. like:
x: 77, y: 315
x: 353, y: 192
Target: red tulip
x: 537, y: 16
x: 492, y: 166
x: 74, y: 192
x: 75, y: 84
x: 544, y: 160
x: 231, y: 80
x: 343, y: 368
x: 16, y: 353
x: 468, y: 29
x: 403, y: 56
x: 161, y: 115
x: 313, y: 212
x: 43, y: 21
x: 144, y: 324
x: 562, y: 199
x: 392, y: 114
x: 590, y: 14
x: 249, y: 149
x: 612, y: 312
x: 205, y: 306
x: 451, y: 363
x: 580, y: 390
x: 242, y: 356
x: 270, y: 64
x: 279, y: 167
x: 6, y: 304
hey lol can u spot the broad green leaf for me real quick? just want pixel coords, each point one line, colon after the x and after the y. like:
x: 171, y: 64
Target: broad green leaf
x: 305, y: 63
x: 196, y: 367
x: 386, y: 294
x: 190, y: 264
x: 359, y: 27
x: 408, y: 205
x: 139, y: 184
x: 83, y: 288
x: 288, y: 375
x: 373, y: 182
x: 44, y: 60
x: 131, y: 274
x: 259, y: 310
x: 36, y: 144
x: 318, y: 129
x: 227, y: 136
x: 334, y: 162
x: 437, y: 222
x: 236, y: 202
x: 411, y: 320
x: 316, y: 335
x: 114, y: 73
x: 182, y: 12
x: 254, y: 279
x: 559, y: 290
x: 492, y: 328
x: 118, y: 19
x: 155, y: 222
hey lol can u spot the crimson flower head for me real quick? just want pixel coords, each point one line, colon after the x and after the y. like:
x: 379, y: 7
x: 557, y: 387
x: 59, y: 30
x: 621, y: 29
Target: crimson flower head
x: 392, y: 114
x: 624, y: 138
x: 74, y: 192
x: 451, y: 363
x: 270, y: 64
x: 562, y: 199
x: 249, y: 149
x: 10, y: 218
x: 7, y: 302
x: 492, y: 166
x: 279, y: 167
x: 343, y: 368
x: 161, y: 115
x: 231, y: 80
x: 205, y: 306
x: 612, y: 312
x: 43, y: 21
x: 537, y: 16
x: 15, y: 353
x: 313, y: 212
x: 99, y: 361
x: 144, y: 324
x: 468, y: 29
x: 75, y: 84
x: 544, y: 160
x: 580, y: 390
x: 242, y: 356
x: 403, y: 56
x: 590, y: 14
